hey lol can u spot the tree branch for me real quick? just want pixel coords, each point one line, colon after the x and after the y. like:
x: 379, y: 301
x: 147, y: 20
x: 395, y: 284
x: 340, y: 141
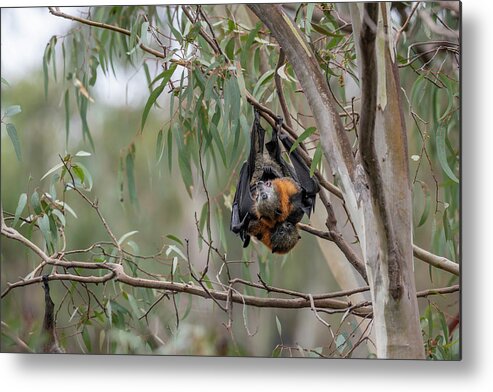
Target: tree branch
x: 425, y: 16
x: 116, y: 271
x: 436, y: 261
x: 279, y: 89
x: 56, y: 12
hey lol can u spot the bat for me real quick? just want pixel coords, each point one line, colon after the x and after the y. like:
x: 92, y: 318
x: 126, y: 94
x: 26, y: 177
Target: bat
x: 271, y: 195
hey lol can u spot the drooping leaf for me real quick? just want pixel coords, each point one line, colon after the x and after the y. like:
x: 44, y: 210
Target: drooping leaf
x: 174, y: 238
x: 426, y: 210
x: 308, y: 20
x: 44, y: 226
x: 317, y: 158
x: 65, y: 206
x: 442, y: 153
x: 159, y: 146
x: 60, y: 216
x: 279, y: 327
x: 14, y: 138
x: 66, y: 104
x: 130, y: 169
x: 45, y: 71
x: 20, y: 207
x: 85, y: 126
x: 52, y: 170
x: 308, y: 132
x: 84, y: 175
x: 155, y: 94
x: 35, y: 203
x: 126, y: 235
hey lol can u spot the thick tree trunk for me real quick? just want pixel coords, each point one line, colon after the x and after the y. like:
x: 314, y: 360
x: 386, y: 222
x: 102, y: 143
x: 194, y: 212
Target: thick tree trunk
x: 376, y: 190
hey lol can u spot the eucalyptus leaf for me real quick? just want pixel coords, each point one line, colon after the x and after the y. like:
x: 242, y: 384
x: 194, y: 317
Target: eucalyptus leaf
x: 442, y: 153
x: 20, y: 207
x: 12, y: 132
x: 11, y: 111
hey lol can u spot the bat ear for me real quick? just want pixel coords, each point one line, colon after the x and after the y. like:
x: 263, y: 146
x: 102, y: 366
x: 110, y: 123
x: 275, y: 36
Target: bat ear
x: 279, y: 121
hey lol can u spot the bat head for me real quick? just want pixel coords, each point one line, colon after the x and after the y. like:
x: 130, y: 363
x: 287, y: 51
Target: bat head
x: 284, y: 237
x: 267, y: 200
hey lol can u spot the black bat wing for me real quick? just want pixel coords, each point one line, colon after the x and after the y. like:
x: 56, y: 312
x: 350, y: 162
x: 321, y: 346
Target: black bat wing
x: 243, y: 204
x: 274, y: 149
x: 241, y: 213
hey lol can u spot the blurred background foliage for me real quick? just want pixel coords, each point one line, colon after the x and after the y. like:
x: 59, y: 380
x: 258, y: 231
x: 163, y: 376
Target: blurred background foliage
x: 145, y: 150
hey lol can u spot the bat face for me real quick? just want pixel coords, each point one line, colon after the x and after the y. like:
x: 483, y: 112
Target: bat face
x: 267, y: 201
x: 284, y: 237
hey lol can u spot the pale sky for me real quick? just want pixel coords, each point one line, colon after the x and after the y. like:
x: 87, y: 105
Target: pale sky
x: 25, y: 33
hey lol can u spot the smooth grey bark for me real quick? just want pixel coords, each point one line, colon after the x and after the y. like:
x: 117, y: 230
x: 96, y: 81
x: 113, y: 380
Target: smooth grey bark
x: 371, y: 209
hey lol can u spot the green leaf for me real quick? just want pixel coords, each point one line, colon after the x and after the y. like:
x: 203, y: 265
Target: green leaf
x: 65, y: 206
x: 79, y: 173
x: 159, y: 146
x: 444, y: 325
x: 279, y: 327
x: 442, y: 153
x: 126, y: 235
x: 174, y: 265
x: 317, y: 158
x: 276, y: 353
x: 129, y: 163
x: 148, y: 76
x: 245, y: 52
x: 35, y: 203
x: 426, y: 210
x: 20, y: 207
x: 230, y: 48
x: 53, y: 229
x: 170, y: 149
x: 52, y: 170
x: 84, y: 175
x: 144, y: 34
x: 156, y: 93
x: 12, y: 132
x: 11, y: 111
x: 44, y: 226
x: 45, y: 70
x: 83, y: 118
x: 215, y: 134
x: 308, y: 132
x: 66, y: 104
x: 174, y: 248
x: 203, y: 215
x: 87, y: 339
x: 257, y: 92
x: 309, y: 14
x: 174, y: 238
x: 341, y: 342
x: 60, y: 216
x: 446, y: 226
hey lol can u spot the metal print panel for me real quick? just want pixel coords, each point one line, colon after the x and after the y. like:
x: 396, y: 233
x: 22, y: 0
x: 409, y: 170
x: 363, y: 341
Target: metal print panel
x: 263, y: 180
